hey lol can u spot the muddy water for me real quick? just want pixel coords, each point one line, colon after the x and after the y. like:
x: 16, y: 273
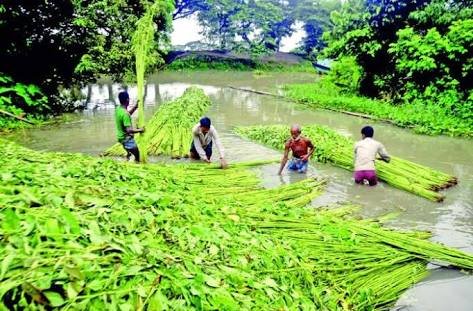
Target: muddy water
x: 451, y: 222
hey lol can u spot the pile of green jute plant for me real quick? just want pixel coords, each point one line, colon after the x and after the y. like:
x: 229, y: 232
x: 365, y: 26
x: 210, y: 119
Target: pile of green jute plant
x: 84, y: 233
x: 169, y: 131
x: 336, y: 149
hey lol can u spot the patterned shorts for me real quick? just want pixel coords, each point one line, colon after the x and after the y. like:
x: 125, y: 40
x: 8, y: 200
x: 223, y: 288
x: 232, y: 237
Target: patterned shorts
x: 298, y: 165
x: 129, y: 143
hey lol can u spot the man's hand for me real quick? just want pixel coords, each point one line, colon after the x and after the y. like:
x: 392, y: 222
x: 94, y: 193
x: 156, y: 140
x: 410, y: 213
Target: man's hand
x: 383, y: 159
x: 305, y: 157
x: 223, y: 163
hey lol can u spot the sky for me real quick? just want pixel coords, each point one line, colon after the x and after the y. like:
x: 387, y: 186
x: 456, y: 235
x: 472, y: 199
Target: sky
x: 187, y: 30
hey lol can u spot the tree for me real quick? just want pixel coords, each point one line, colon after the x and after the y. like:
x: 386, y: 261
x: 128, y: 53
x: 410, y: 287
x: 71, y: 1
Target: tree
x: 365, y: 29
x: 257, y: 26
x: 315, y: 16
x: 217, y: 22
x: 186, y: 8
x: 410, y: 51
x: 110, y: 25
x: 60, y: 43
x: 40, y: 43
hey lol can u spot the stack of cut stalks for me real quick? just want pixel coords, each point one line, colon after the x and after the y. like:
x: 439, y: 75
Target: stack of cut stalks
x: 336, y: 149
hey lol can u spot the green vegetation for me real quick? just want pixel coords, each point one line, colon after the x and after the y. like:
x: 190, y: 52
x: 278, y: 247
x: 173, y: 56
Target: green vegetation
x: 20, y: 105
x: 144, y: 47
x: 79, y: 41
x: 336, y: 149
x: 83, y: 233
x: 421, y: 117
x: 61, y: 44
x: 168, y: 132
x: 201, y: 63
x: 413, y: 53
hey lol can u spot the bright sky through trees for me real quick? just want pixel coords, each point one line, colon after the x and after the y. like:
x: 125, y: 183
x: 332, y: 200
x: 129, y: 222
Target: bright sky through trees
x: 187, y: 30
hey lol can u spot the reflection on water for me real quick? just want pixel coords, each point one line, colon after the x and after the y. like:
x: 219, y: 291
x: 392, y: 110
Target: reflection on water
x: 442, y: 290
x: 450, y: 222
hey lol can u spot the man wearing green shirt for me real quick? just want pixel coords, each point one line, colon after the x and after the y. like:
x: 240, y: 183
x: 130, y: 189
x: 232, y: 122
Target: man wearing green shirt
x: 125, y: 130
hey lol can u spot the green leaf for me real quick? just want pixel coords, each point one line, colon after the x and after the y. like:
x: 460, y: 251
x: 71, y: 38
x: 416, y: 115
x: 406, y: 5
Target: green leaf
x: 158, y: 301
x: 55, y: 299
x: 73, y: 289
x: 212, y: 282
x: 11, y: 221
x: 6, y: 264
x: 71, y: 221
x: 96, y: 284
x: 74, y: 273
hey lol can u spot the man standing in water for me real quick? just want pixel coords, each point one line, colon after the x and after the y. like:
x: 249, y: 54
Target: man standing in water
x: 204, y: 136
x: 365, y: 154
x: 125, y: 130
x: 302, y: 149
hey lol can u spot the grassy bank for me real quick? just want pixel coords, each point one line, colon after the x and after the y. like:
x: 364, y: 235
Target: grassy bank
x: 202, y: 63
x: 83, y: 233
x: 424, y: 119
x: 8, y: 124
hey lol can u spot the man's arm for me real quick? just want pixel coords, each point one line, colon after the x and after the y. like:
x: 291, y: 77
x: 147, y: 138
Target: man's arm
x: 127, y: 124
x: 130, y: 130
x: 200, y: 150
x: 354, y: 154
x: 133, y: 109
x: 311, y: 150
x: 284, y: 159
x: 384, y: 156
x: 221, y: 150
x: 218, y: 143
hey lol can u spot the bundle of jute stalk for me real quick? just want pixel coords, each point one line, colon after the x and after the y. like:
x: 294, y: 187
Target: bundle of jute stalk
x: 360, y: 258
x: 85, y: 233
x: 334, y: 148
x: 168, y: 132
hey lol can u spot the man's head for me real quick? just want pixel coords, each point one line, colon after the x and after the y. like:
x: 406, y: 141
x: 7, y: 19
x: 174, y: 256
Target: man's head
x: 367, y: 131
x: 295, y: 131
x: 124, y: 98
x: 205, y: 124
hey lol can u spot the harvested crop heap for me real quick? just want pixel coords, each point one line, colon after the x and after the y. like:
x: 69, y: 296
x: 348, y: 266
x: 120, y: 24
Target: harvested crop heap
x: 168, y: 132
x: 83, y: 233
x: 336, y: 149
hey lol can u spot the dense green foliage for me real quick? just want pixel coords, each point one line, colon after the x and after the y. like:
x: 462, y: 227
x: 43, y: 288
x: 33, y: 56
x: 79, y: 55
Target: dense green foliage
x: 346, y: 75
x: 110, y: 26
x: 40, y: 44
x: 57, y: 44
x: 83, y: 233
x: 334, y: 148
x: 412, y: 52
x: 17, y: 99
x: 422, y: 117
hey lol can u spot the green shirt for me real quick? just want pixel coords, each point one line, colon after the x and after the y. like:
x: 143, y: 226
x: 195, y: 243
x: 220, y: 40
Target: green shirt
x: 122, y: 121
